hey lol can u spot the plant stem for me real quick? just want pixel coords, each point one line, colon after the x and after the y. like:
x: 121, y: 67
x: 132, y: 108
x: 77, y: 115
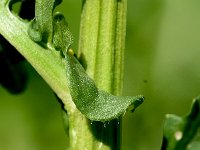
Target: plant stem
x: 46, y: 62
x: 101, y: 49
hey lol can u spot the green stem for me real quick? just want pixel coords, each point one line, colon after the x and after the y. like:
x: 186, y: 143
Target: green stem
x: 46, y: 62
x: 101, y: 49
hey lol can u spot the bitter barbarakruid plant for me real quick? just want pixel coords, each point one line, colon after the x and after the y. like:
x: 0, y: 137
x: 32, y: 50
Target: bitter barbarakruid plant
x: 88, y: 84
x: 95, y: 104
x: 45, y: 42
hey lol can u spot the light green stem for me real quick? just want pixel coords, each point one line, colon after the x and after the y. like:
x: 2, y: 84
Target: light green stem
x: 46, y: 62
x: 101, y: 49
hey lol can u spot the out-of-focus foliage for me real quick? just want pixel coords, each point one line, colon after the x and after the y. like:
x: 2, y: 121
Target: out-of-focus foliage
x: 179, y: 132
x: 161, y: 62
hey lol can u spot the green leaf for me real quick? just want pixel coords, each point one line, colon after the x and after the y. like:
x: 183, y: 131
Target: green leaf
x: 62, y: 37
x: 95, y: 104
x: 34, y: 31
x: 179, y: 132
x: 41, y: 28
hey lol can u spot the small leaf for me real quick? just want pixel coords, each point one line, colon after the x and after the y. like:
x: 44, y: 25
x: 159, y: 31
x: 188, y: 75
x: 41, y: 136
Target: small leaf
x: 95, y: 104
x: 179, y: 132
x: 42, y: 26
x: 62, y: 37
x: 34, y: 32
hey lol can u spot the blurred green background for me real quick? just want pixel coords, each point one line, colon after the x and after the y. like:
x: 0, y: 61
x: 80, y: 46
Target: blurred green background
x: 161, y: 62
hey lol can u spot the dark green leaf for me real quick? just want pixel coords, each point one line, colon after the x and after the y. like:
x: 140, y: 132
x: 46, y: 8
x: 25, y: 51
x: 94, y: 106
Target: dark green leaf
x: 95, y: 104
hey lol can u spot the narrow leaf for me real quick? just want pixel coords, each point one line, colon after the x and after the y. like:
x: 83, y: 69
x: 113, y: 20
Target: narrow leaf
x: 62, y: 37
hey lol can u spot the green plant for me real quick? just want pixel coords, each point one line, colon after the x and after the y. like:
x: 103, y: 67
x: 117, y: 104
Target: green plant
x: 47, y: 34
x: 45, y: 42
